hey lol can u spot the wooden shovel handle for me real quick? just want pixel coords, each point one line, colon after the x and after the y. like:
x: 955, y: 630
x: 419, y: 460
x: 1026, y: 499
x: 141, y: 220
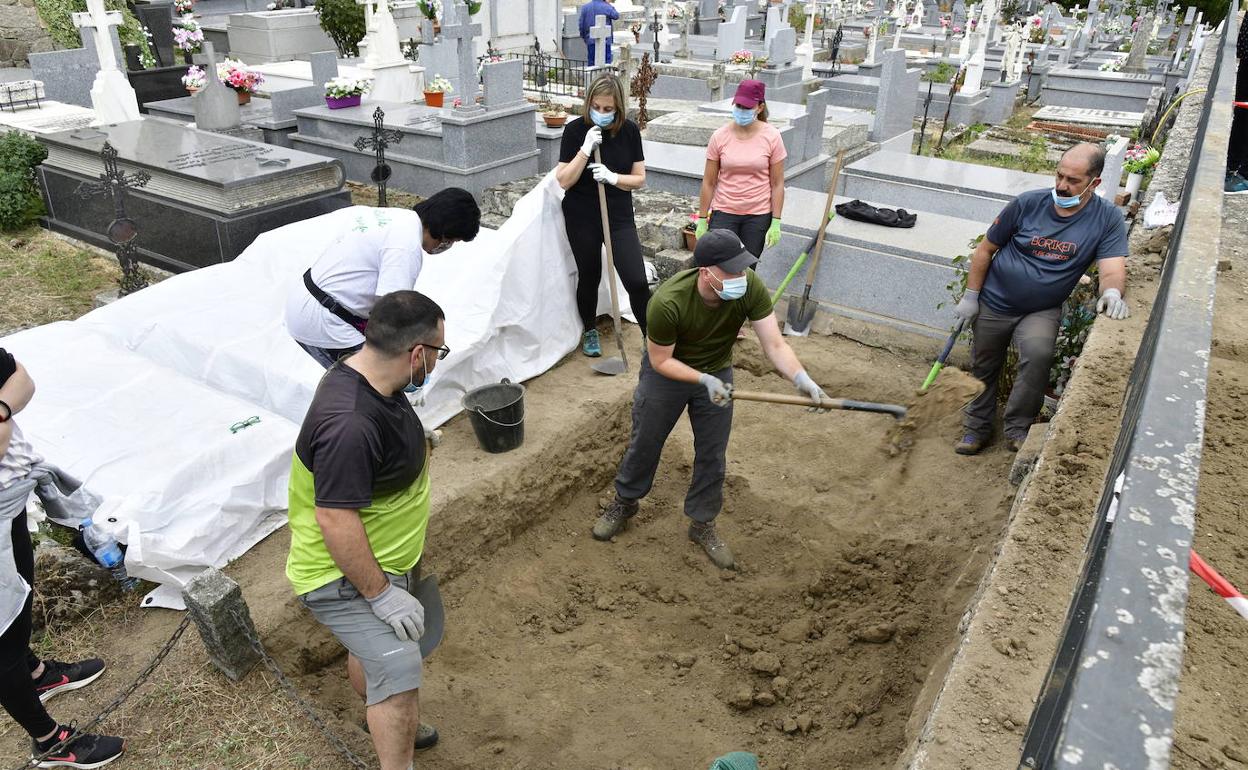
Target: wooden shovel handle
x: 823, y: 223
x: 827, y: 403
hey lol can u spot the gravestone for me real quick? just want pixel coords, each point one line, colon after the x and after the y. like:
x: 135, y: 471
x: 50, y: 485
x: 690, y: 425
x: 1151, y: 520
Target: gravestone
x: 112, y: 96
x: 209, y: 195
x: 1139, y: 46
x: 1111, y: 176
x: 782, y: 49
x: 463, y: 33
x: 731, y: 35
x: 158, y: 19
x: 503, y: 83
x: 394, y: 77
x: 600, y: 33
x: 708, y: 17
x: 775, y: 24
x: 280, y: 35
x: 975, y: 67
x: 216, y: 105
x: 67, y: 75
x: 894, y: 110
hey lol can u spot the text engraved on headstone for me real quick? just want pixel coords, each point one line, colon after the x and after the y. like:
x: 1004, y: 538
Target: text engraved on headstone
x: 212, y: 155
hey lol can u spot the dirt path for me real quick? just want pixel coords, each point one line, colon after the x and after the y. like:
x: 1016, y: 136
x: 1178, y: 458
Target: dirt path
x: 1213, y: 692
x: 566, y: 653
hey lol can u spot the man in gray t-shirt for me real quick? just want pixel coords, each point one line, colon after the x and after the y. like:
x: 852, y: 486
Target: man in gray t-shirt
x: 1029, y: 262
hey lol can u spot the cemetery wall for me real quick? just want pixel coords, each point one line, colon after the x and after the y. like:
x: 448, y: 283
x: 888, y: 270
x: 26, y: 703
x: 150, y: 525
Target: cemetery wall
x: 21, y: 32
x: 1014, y: 628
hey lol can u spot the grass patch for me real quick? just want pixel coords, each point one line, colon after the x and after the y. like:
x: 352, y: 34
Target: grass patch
x: 44, y: 279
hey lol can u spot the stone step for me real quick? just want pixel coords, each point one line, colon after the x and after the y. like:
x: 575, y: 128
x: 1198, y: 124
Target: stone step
x: 940, y: 186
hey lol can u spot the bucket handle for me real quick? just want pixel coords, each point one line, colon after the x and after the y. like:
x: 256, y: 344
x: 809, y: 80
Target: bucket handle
x: 500, y: 424
x: 504, y: 381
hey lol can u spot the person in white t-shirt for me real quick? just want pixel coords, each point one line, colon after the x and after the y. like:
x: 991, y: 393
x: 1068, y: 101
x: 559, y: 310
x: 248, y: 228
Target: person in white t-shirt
x: 381, y: 251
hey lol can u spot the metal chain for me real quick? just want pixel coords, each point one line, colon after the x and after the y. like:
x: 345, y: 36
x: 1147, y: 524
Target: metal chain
x: 289, y: 687
x: 76, y: 732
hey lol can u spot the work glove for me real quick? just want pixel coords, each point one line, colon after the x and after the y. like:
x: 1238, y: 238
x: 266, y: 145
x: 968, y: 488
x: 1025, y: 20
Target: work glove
x: 401, y: 611
x: 603, y: 174
x: 593, y: 138
x: 1113, y: 305
x: 717, y: 389
x: 968, y: 307
x: 807, y: 387
x: 699, y: 229
x: 773, y: 233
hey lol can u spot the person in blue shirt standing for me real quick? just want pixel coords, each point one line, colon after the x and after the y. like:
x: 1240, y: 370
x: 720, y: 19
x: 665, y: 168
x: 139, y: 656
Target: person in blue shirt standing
x: 588, y: 13
x: 1028, y: 263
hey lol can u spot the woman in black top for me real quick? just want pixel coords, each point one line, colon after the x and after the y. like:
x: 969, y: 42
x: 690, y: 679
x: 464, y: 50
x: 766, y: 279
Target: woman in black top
x: 603, y: 125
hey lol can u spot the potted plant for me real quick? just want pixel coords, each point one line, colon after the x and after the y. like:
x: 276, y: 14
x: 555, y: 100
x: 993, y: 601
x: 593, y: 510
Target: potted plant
x: 183, y: 7
x: 187, y: 36
x: 741, y: 57
x: 345, y: 92
x: 689, y: 232
x: 554, y: 114
x: 436, y: 90
x: 1139, y: 159
x: 236, y: 75
x: 194, y: 78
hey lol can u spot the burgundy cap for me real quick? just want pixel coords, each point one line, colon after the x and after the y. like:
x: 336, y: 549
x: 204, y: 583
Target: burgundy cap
x: 750, y: 93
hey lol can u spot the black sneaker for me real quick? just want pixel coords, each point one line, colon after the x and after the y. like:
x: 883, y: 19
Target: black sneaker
x: 426, y: 737
x: 62, y: 677
x: 86, y: 751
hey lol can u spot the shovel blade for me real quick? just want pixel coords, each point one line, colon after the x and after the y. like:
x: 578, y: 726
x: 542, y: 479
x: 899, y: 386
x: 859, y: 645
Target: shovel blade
x: 435, y: 616
x: 800, y: 316
x: 611, y: 366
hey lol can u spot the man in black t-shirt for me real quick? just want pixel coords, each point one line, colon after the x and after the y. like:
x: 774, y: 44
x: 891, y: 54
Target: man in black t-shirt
x: 359, y: 509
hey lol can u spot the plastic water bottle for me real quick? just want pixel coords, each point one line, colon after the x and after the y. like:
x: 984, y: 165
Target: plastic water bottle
x: 107, y: 553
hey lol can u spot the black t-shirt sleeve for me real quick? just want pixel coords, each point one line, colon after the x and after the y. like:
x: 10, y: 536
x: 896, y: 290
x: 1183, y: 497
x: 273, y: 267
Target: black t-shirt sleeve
x: 573, y: 135
x: 635, y: 141
x: 8, y: 366
x: 345, y: 454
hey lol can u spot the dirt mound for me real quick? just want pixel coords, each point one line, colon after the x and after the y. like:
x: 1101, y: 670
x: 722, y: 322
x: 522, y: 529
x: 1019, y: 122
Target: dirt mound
x: 951, y: 391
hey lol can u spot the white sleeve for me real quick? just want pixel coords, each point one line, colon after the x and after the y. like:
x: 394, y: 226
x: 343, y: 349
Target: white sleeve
x: 397, y: 270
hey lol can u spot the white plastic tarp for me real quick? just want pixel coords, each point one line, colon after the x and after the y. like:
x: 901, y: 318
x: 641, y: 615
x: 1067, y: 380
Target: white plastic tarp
x: 137, y: 398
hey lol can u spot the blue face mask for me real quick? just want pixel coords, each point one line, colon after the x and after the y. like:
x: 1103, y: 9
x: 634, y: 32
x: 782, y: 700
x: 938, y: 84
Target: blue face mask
x: 733, y: 288
x: 743, y: 116
x: 411, y: 386
x: 1070, y: 202
x: 601, y: 119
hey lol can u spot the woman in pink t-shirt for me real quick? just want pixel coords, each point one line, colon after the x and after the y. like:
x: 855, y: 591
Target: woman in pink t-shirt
x: 743, y: 185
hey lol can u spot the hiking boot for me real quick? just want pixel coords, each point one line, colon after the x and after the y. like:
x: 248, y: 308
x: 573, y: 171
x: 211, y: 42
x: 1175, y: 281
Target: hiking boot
x: 612, y: 520
x: 426, y: 737
x: 62, y: 677
x: 590, y: 345
x: 1235, y: 184
x: 970, y: 445
x: 1014, y: 441
x: 85, y: 751
x: 704, y: 534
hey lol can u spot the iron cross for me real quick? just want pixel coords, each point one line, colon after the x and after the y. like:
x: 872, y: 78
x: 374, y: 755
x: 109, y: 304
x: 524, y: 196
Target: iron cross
x: 378, y: 141
x: 655, y: 26
x: 122, y: 230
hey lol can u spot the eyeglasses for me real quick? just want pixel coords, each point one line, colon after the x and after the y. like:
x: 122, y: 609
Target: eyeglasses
x: 250, y: 421
x: 443, y: 351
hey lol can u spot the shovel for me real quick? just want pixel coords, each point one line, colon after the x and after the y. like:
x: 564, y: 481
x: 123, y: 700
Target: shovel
x: 612, y: 365
x: 435, y: 617
x: 801, y: 314
x: 846, y: 404
x: 944, y: 355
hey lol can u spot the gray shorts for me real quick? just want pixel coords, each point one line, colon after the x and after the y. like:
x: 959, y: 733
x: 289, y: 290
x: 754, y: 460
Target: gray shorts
x: 390, y: 666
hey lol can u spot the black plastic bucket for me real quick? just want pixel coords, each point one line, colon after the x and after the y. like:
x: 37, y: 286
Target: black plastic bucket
x: 497, y: 414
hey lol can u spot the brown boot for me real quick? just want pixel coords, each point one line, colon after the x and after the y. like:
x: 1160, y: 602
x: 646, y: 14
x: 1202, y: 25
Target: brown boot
x: 970, y: 445
x: 614, y: 518
x: 704, y: 534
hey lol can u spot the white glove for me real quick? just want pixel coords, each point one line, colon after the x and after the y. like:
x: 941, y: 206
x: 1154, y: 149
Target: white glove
x: 968, y: 307
x: 401, y: 611
x: 717, y: 389
x: 603, y: 174
x: 1113, y: 305
x: 593, y: 138
x: 807, y: 387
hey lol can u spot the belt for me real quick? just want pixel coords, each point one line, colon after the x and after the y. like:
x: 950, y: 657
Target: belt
x: 333, y: 305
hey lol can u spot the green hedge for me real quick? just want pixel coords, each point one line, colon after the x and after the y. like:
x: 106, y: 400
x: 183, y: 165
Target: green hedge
x: 20, y: 202
x: 57, y: 18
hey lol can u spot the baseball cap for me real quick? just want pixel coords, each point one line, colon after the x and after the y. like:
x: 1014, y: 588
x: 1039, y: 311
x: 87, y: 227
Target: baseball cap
x: 750, y: 93
x: 724, y: 249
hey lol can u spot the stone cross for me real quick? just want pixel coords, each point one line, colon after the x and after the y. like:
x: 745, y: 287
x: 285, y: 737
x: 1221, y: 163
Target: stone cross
x: 378, y: 140
x: 600, y: 32
x: 872, y: 33
x: 462, y: 33
x: 916, y: 17
x: 1139, y: 46
x: 975, y: 67
x: 216, y: 105
x: 112, y: 96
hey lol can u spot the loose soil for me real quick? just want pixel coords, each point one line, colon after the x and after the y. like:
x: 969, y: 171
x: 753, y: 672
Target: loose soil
x: 855, y: 567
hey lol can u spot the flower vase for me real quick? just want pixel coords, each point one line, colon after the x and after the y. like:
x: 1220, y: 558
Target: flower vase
x: 338, y: 103
x: 1134, y: 181
x: 244, y: 97
x: 691, y: 238
x: 554, y: 121
x: 434, y: 98
x: 187, y: 57
x: 192, y: 90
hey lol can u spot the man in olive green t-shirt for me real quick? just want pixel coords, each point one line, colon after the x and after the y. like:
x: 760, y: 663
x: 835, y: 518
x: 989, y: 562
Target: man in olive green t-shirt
x: 692, y: 323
